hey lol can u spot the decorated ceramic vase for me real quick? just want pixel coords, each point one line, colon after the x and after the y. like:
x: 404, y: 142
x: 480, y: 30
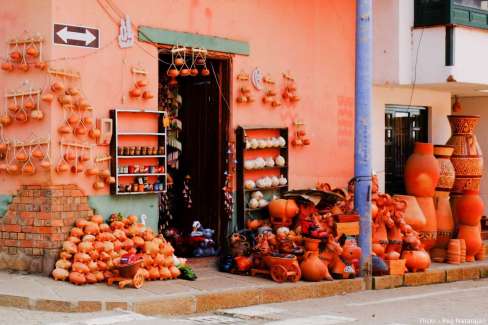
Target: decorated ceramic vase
x: 467, y: 157
x: 428, y: 233
x: 422, y: 171
x: 447, y: 173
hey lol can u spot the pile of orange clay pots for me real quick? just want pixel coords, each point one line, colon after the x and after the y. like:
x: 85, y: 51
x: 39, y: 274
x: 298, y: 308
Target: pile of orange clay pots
x: 95, y: 248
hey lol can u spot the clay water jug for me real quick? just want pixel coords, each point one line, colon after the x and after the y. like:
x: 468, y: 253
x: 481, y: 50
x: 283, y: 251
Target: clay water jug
x: 469, y: 208
x: 413, y: 215
x: 313, y: 269
x: 447, y: 173
x: 422, y: 171
x: 472, y: 237
x: 467, y: 157
x: 428, y: 233
x: 445, y: 221
x: 416, y: 260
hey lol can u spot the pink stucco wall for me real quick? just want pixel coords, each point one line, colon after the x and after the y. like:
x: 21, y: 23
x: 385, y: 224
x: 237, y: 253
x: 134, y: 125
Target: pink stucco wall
x: 314, y: 40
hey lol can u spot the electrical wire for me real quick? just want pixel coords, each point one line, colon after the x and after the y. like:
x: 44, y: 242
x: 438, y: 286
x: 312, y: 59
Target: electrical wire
x: 415, y: 68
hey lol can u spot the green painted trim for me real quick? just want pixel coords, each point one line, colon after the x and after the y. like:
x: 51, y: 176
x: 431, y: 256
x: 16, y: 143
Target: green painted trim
x: 5, y: 200
x: 127, y: 204
x: 212, y: 43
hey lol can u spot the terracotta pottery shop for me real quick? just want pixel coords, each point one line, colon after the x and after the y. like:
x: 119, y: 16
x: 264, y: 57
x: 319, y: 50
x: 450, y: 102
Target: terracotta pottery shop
x: 129, y: 143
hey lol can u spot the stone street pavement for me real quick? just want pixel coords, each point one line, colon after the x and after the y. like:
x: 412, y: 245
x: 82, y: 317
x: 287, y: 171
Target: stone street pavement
x: 462, y: 302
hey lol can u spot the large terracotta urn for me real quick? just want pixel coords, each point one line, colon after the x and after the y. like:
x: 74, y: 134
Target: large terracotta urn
x: 472, y: 238
x: 445, y: 221
x: 447, y: 173
x: 469, y: 208
x: 422, y: 171
x: 428, y: 233
x: 467, y: 157
x: 413, y: 215
x: 313, y: 268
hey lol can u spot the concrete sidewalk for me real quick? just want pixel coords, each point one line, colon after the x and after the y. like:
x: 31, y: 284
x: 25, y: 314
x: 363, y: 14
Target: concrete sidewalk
x: 211, y: 291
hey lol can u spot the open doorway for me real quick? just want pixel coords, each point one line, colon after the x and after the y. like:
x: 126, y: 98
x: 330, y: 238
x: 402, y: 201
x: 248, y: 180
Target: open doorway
x: 197, y: 145
x: 404, y: 125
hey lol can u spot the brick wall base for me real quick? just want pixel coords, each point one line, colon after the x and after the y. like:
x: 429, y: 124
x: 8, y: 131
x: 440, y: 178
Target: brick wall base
x: 36, y: 223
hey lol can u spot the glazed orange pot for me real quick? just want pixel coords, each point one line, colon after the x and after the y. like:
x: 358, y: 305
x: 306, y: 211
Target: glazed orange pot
x: 428, y: 233
x: 413, y: 215
x: 469, y: 208
x: 445, y: 221
x: 416, y: 261
x: 467, y: 157
x: 447, y: 173
x: 472, y: 237
x: 313, y: 269
x: 422, y: 171
x: 281, y: 212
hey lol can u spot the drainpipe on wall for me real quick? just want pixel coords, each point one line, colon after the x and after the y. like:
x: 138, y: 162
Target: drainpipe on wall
x: 362, y: 141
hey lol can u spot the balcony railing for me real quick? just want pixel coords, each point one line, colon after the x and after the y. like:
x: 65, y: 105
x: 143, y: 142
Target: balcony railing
x: 472, y: 13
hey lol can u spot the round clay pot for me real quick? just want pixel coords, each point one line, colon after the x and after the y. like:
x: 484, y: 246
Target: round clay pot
x: 472, y: 237
x: 422, y: 171
x: 448, y: 174
x: 313, y: 269
x: 438, y: 254
x: 469, y: 208
x: 467, y: 157
x: 445, y: 221
x: 428, y: 233
x: 416, y: 260
x: 413, y: 214
x: 281, y: 212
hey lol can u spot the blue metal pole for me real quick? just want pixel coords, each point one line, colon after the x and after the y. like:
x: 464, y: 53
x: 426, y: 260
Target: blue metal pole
x: 362, y: 142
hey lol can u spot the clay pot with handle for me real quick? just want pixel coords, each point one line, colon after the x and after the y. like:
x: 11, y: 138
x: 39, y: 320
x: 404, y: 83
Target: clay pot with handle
x: 313, y: 268
x: 416, y: 261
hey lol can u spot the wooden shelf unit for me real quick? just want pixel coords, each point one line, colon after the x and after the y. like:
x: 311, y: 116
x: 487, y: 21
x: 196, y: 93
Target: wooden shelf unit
x: 117, y: 114
x: 243, y: 195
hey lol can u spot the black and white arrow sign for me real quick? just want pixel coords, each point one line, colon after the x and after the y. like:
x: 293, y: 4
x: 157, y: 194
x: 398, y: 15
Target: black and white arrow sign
x: 76, y: 36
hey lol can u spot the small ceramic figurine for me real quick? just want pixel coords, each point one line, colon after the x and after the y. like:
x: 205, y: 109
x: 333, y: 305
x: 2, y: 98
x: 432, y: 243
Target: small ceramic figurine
x: 285, y: 243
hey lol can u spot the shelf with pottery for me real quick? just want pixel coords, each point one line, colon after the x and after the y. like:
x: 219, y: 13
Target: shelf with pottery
x: 260, y: 177
x: 120, y: 151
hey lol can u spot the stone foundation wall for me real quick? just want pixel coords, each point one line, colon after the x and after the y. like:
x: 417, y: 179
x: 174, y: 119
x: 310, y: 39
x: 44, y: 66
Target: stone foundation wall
x: 36, y: 223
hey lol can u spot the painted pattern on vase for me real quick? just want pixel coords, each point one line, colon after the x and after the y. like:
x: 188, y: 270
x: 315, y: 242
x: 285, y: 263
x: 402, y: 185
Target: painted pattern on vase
x: 467, y: 157
x: 448, y: 174
x: 428, y: 233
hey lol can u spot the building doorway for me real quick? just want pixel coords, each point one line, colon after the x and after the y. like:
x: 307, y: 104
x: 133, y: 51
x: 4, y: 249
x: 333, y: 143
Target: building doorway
x: 197, y: 145
x: 404, y: 125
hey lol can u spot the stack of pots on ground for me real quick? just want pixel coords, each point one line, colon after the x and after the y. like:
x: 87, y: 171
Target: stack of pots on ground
x: 469, y: 208
x: 455, y: 251
x: 445, y: 221
x: 422, y: 174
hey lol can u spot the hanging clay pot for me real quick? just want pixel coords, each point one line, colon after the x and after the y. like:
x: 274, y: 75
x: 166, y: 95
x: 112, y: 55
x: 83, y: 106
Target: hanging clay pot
x: 147, y: 95
x: 23, y: 67
x: 413, y: 215
x: 73, y: 119
x: 21, y: 156
x: 87, y: 120
x: 32, y: 51
x: 185, y: 72
x: 45, y: 164
x: 57, y: 86
x: 445, y: 221
x: 467, y: 157
x: 194, y: 72
x: 73, y: 91
x: 94, y: 133
x: 173, y: 73
x: 15, y: 56
x: 7, y: 66
x: 5, y: 120
x: 64, y: 129
x: 41, y: 65
x: 29, y: 104
x: 141, y: 83
x: 472, y: 237
x: 62, y: 167
x: 205, y: 72
x: 21, y: 117
x: 313, y: 269
x: 469, y: 208
x: 28, y: 169
x: 12, y: 169
x: 428, y: 233
x: 13, y: 107
x: 416, y: 261
x: 80, y: 131
x: 38, y: 154
x: 422, y: 171
x: 37, y: 115
x: 47, y: 97
x: 135, y: 92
